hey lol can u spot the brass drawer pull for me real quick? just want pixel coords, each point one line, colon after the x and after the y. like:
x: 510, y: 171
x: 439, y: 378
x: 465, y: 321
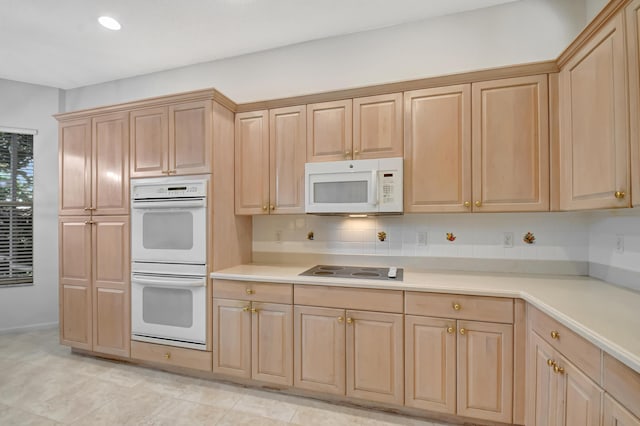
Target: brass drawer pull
x: 558, y: 370
x: 456, y: 307
x: 340, y: 320
x: 463, y: 331
x: 349, y: 320
x: 246, y: 308
x: 451, y: 330
x: 619, y: 195
x: 167, y: 355
x: 249, y: 291
x: 551, y: 362
x: 555, y: 335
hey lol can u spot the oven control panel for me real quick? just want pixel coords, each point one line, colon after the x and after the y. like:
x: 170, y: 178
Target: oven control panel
x: 144, y: 190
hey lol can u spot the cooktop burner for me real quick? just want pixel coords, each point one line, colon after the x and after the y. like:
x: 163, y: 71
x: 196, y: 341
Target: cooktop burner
x: 362, y: 272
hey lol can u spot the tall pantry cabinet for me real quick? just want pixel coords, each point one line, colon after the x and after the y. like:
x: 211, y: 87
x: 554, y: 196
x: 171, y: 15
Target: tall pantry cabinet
x: 94, y: 259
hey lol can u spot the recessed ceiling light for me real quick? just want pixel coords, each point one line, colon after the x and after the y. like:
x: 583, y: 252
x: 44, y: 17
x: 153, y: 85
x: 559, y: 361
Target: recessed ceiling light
x: 109, y: 22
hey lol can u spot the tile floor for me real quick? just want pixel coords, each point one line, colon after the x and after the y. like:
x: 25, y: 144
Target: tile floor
x: 42, y: 383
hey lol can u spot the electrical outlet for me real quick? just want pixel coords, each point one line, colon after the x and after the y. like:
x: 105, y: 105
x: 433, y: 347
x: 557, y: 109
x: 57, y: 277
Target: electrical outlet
x: 620, y: 244
x: 421, y: 238
x: 278, y: 236
x: 507, y: 241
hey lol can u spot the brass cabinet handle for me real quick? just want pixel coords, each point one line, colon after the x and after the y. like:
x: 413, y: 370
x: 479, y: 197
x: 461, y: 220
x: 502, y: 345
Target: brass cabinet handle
x: 340, y: 320
x: 349, y: 320
x: 558, y: 370
x: 264, y: 207
x: 619, y: 194
x: 555, y: 335
x: 467, y: 204
x: 456, y: 307
x: 89, y: 222
x: 250, y: 291
x: 451, y: 330
x: 254, y: 310
x: 167, y: 355
x: 272, y: 207
x: 246, y: 308
x: 478, y: 203
x: 356, y: 152
x: 89, y: 209
x: 551, y: 362
x: 463, y: 331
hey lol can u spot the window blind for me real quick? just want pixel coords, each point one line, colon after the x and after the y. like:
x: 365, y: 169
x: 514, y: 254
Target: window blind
x: 16, y: 208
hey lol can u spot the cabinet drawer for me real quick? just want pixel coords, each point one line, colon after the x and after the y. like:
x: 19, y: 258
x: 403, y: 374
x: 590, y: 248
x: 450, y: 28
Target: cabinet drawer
x: 622, y: 383
x: 366, y: 299
x: 170, y: 355
x: 253, y: 291
x: 582, y: 353
x: 488, y: 309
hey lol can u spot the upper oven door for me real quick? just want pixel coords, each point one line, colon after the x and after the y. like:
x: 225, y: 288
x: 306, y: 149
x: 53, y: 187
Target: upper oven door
x: 169, y: 231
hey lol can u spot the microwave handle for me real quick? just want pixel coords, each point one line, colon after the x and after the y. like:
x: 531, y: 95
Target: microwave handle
x: 171, y: 282
x: 373, y: 190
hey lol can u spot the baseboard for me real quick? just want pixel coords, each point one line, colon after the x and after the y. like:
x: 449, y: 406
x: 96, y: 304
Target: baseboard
x: 32, y: 327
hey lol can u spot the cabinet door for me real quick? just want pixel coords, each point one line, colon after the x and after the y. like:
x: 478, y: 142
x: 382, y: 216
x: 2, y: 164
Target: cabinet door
x: 594, y: 145
x: 377, y: 127
x: 149, y: 142
x: 319, y: 349
x: 75, y: 281
x: 375, y: 356
x: 633, y: 46
x: 430, y: 363
x: 190, y: 138
x: 437, y: 166
x: 252, y: 163
x: 74, y: 162
x: 616, y: 415
x: 110, y: 164
x: 111, y: 294
x: 329, y: 131
x: 232, y: 337
x: 543, y: 399
x: 582, y: 398
x: 272, y: 343
x: 288, y: 153
x: 511, y: 144
x: 485, y: 370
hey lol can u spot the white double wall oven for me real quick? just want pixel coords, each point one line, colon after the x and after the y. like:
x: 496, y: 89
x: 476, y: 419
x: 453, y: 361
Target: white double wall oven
x: 169, y: 260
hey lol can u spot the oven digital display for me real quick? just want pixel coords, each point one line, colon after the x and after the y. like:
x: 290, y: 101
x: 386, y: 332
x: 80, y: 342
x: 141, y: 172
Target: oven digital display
x: 177, y: 188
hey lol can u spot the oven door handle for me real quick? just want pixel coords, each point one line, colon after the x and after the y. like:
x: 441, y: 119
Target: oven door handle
x: 170, y: 282
x: 168, y: 204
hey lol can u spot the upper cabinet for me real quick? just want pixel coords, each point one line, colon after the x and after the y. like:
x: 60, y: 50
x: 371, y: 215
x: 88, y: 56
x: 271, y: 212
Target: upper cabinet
x: 482, y: 147
x: 94, y: 165
x: 270, y: 155
x: 358, y: 129
x: 329, y: 131
x: 173, y: 140
x: 633, y: 46
x: 437, y: 166
x: 594, y: 144
x: 377, y: 127
x: 510, y: 132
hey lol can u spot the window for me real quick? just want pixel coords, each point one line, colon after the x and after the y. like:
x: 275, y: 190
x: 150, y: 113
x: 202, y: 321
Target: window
x: 16, y: 208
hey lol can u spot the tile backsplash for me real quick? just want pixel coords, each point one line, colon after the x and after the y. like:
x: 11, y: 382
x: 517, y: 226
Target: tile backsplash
x: 558, y: 236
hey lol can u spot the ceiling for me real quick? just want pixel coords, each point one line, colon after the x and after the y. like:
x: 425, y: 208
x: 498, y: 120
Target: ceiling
x: 60, y: 43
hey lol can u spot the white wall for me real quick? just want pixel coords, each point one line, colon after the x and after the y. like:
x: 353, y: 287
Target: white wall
x: 29, y: 106
x: 518, y: 32
x: 559, y: 236
x: 593, y: 7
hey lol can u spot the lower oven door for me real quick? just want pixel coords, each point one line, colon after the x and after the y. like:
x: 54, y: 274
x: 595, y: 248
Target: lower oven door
x: 170, y: 310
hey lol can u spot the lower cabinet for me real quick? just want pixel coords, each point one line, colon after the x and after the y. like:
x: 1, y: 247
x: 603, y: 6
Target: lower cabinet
x: 253, y: 340
x: 349, y: 352
x: 563, y: 395
x: 616, y: 415
x: 94, y: 283
x: 459, y: 367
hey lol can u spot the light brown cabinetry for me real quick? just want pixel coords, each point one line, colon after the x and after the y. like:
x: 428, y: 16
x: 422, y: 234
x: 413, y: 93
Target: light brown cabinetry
x: 632, y: 12
x: 94, y: 165
x: 357, y: 353
x: 594, y: 144
x: 437, y: 166
x: 329, y: 131
x: 458, y: 366
x: 616, y: 415
x: 171, y: 355
x: 491, y: 137
x: 377, y: 127
x: 270, y: 156
x: 94, y: 283
x: 253, y: 339
x: 171, y: 140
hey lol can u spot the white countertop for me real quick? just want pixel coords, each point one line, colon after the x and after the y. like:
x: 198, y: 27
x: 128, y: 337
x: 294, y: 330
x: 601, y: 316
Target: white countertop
x: 604, y: 314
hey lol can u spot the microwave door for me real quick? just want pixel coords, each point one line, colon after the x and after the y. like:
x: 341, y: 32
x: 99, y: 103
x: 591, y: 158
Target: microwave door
x: 352, y: 192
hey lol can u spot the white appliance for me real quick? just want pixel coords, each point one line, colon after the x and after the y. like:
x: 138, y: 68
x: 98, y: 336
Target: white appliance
x: 169, y: 220
x: 358, y: 186
x: 169, y: 256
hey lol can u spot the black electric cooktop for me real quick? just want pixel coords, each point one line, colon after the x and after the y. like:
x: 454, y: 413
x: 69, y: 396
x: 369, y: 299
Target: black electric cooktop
x: 362, y: 272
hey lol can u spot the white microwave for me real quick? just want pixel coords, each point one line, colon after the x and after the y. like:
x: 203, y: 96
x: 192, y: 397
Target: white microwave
x: 358, y: 186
